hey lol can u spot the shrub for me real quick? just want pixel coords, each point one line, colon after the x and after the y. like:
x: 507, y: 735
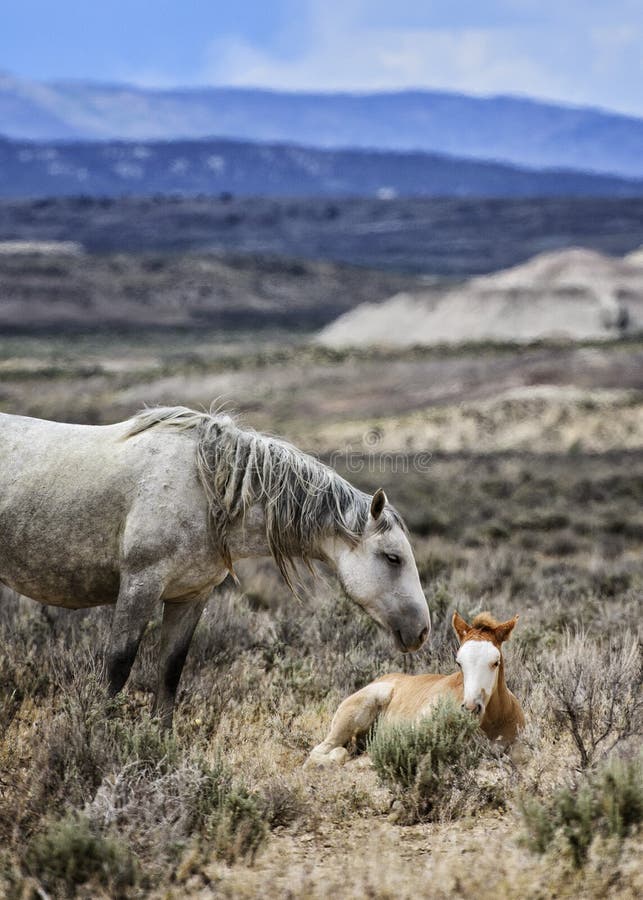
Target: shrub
x: 229, y: 816
x: 144, y: 743
x: 428, y: 763
x: 11, y: 877
x: 74, y: 744
x: 607, y: 803
x: 239, y: 828
x: 594, y: 691
x: 621, y: 795
x: 90, y: 737
x: 161, y: 810
x: 282, y: 804
x: 433, y: 566
x: 70, y: 852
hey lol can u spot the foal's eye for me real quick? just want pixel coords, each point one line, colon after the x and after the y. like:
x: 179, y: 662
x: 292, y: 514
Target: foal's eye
x: 496, y: 664
x: 393, y: 559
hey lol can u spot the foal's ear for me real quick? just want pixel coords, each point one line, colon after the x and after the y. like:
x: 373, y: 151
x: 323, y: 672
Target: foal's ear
x: 460, y: 626
x: 378, y: 503
x: 503, y: 631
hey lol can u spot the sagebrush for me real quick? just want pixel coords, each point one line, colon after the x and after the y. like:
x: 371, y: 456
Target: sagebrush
x: 431, y: 765
x: 608, y: 803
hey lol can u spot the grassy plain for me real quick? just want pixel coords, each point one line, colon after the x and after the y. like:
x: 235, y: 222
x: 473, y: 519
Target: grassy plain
x: 520, y: 473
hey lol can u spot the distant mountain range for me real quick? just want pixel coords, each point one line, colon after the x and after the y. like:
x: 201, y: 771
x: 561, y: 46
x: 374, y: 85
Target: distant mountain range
x: 513, y: 130
x: 112, y: 168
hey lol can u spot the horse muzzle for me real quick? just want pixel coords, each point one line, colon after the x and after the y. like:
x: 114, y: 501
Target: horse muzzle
x: 408, y: 641
x: 475, y: 707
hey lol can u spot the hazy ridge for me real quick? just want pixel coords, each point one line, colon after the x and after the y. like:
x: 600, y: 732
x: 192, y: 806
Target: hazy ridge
x: 115, y: 168
x: 515, y: 130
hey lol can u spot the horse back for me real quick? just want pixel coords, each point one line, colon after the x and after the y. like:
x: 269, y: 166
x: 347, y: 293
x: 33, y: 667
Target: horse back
x: 414, y: 695
x: 66, y: 493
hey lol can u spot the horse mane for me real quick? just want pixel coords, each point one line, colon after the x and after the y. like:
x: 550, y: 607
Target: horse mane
x: 484, y: 621
x: 304, y: 501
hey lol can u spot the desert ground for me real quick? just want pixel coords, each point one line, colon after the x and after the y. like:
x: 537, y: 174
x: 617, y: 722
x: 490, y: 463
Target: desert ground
x: 520, y: 474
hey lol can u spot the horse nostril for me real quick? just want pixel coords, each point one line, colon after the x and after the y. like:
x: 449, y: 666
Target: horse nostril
x: 424, y: 634
x: 478, y: 708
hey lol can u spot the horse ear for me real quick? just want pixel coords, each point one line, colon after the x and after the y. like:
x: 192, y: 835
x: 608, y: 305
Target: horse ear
x: 378, y: 503
x: 460, y: 626
x: 503, y: 631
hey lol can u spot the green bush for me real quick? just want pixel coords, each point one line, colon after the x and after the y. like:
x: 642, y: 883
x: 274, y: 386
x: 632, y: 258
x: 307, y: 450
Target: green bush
x: 144, y: 742
x: 229, y: 816
x: 607, y: 803
x: 239, y: 826
x: 428, y: 763
x: 70, y: 852
x: 621, y: 796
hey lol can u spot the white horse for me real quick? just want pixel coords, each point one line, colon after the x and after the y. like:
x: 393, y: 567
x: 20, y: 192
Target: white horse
x: 479, y: 686
x: 159, y: 508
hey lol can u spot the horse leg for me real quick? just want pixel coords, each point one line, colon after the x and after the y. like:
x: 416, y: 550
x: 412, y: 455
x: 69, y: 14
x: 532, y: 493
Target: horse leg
x: 137, y: 597
x: 354, y: 717
x: 179, y: 622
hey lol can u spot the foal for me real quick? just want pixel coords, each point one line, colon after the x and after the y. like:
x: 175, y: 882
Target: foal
x: 479, y: 685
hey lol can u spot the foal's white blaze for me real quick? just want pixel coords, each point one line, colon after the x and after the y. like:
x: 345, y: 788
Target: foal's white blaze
x: 479, y: 661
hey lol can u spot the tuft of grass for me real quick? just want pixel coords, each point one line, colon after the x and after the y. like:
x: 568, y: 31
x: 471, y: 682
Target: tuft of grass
x: 428, y: 763
x: 230, y: 817
x: 239, y: 828
x: 282, y: 804
x: 608, y: 803
x: 144, y: 743
x: 70, y: 852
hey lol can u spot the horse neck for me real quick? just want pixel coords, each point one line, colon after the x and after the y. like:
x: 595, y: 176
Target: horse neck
x: 247, y: 537
x: 500, y: 715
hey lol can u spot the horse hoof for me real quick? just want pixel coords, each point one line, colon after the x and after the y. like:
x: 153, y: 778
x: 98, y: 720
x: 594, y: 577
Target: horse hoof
x: 339, y: 755
x: 336, y: 757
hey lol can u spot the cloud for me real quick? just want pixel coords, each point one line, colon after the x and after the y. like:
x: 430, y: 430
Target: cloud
x: 341, y: 49
x: 477, y: 60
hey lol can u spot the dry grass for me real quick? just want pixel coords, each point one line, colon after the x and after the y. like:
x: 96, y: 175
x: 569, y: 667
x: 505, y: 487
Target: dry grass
x: 223, y: 803
x: 96, y: 802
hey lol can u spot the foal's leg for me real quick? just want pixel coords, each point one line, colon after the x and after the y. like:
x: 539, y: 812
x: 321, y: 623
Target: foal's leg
x: 179, y: 622
x: 354, y: 716
x: 137, y: 597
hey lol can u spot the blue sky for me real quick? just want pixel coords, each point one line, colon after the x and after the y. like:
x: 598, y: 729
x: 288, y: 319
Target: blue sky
x: 576, y: 51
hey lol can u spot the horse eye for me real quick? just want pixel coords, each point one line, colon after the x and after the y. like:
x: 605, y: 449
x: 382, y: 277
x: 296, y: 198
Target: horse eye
x: 393, y: 558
